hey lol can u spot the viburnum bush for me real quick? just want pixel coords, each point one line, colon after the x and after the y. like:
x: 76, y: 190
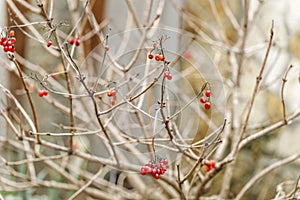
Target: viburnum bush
x: 151, y: 112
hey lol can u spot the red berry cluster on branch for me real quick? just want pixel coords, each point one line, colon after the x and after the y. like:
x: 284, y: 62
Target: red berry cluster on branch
x: 206, y: 99
x: 210, y: 164
x: 157, y: 48
x: 42, y: 93
x: 112, y: 94
x: 49, y: 43
x: 159, y: 57
x: 74, y: 40
x: 155, y: 169
x: 168, y: 75
x: 150, y: 56
x: 8, y: 43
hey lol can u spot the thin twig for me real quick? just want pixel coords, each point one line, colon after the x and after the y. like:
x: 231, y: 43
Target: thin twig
x: 269, y: 129
x: 12, y: 58
x: 284, y: 80
x: 182, y: 196
x: 255, y: 91
x: 87, y: 184
x: 235, y: 146
x: 265, y: 171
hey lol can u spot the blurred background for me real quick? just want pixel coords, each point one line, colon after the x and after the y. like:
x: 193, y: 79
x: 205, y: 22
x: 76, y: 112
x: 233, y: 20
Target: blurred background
x: 219, y: 27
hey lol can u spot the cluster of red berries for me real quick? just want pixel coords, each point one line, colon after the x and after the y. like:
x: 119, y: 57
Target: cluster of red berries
x: 168, y: 75
x: 158, y: 56
x: 112, y: 94
x: 205, y: 99
x: 8, y: 43
x: 155, y: 169
x: 42, y: 93
x: 74, y: 40
x: 210, y: 164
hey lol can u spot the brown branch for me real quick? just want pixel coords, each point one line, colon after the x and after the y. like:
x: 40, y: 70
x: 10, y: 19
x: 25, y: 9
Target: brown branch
x: 12, y: 58
x: 254, y: 93
x: 235, y: 146
x: 265, y: 171
x: 182, y: 196
x: 284, y: 80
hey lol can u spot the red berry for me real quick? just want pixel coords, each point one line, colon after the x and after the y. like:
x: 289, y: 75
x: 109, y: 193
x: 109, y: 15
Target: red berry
x: 71, y: 40
x: 45, y: 92
x: 207, y: 105
x: 156, y: 176
x: 210, y: 164
x: 208, y: 93
x: 150, y: 56
x: 159, y: 171
x: 3, y: 39
x: 9, y: 43
x: 77, y: 41
x: 154, y: 171
x: 165, y: 161
x: 202, y: 99
x: 157, y: 57
x: 111, y: 93
x: 161, y: 58
x: 4, y: 43
x: 49, y: 43
x: 143, y: 170
x: 11, y: 48
x: 106, y: 48
x: 148, y: 170
x: 112, y: 102
x: 166, y: 73
x: 12, y: 33
x: 41, y: 93
x: 5, y: 48
x: 207, y: 169
x: 213, y: 164
x: 13, y: 40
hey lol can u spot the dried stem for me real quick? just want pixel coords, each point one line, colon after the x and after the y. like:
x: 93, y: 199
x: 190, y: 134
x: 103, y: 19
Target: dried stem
x: 265, y: 171
x: 235, y: 148
x: 12, y: 58
x: 284, y: 80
